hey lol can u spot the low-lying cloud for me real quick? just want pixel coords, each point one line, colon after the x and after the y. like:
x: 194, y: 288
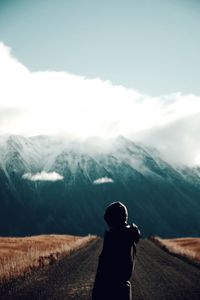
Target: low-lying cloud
x: 103, y: 180
x: 49, y: 102
x: 43, y: 176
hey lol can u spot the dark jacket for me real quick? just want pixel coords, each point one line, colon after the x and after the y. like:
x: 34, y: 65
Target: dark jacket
x: 116, y: 263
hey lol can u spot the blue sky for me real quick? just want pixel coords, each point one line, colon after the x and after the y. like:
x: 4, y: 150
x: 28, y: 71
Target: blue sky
x: 103, y: 68
x: 150, y: 45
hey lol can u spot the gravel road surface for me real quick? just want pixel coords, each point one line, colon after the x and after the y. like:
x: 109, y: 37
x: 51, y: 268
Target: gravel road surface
x: 157, y: 276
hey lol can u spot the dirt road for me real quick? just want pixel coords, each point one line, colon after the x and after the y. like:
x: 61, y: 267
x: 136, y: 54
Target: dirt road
x: 157, y: 276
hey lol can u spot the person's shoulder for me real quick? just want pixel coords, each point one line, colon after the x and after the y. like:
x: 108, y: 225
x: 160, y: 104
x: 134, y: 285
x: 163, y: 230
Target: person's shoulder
x: 135, y: 232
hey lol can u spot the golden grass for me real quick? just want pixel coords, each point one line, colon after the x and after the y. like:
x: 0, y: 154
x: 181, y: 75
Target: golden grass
x: 20, y: 255
x: 185, y: 247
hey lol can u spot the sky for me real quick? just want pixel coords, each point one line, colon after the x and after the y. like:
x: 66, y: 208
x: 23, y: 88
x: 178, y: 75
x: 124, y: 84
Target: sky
x: 103, y: 68
x: 150, y: 45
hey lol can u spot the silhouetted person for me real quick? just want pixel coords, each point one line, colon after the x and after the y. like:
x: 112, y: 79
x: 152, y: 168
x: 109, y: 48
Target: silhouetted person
x: 117, y: 256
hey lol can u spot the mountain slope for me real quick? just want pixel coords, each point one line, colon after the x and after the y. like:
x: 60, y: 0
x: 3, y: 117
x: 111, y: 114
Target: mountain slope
x: 161, y: 199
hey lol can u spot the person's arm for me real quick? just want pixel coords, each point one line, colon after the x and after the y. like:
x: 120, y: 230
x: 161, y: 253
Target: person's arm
x: 136, y: 233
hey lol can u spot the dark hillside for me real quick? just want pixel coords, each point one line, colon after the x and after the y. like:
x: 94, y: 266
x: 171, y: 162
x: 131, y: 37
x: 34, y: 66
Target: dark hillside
x: 162, y: 199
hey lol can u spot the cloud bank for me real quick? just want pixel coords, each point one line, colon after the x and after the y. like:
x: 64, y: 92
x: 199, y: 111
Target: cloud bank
x: 50, y: 102
x: 103, y: 180
x: 43, y: 176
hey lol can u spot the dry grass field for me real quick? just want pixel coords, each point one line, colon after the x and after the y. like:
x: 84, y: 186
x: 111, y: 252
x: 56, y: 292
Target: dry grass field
x: 185, y: 247
x: 157, y: 276
x: 20, y: 255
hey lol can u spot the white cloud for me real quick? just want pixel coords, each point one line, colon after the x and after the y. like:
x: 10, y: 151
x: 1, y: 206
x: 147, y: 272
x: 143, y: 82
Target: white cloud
x: 43, y: 176
x: 103, y: 180
x: 50, y: 102
x: 178, y: 141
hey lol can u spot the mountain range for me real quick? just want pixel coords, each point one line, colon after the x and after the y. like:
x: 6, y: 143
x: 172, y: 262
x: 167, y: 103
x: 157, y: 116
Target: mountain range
x: 57, y: 185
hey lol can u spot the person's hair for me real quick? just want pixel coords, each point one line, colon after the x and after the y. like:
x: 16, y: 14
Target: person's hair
x: 116, y: 214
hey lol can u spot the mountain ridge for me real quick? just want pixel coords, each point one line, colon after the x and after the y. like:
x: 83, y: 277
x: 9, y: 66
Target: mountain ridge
x: 161, y: 198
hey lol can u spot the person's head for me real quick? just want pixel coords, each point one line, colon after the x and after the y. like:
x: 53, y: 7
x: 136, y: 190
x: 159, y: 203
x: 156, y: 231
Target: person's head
x: 116, y: 214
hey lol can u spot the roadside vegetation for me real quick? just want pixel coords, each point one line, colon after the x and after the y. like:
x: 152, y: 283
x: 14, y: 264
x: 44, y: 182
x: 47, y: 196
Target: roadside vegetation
x: 21, y: 255
x: 188, y: 248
